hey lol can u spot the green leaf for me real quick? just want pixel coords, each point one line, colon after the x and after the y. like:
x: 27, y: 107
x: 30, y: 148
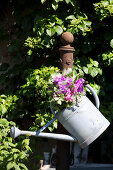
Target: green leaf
x: 10, y: 165
x: 59, y: 102
x: 42, y: 1
x: 93, y: 71
x: 25, y: 141
x: 67, y: 1
x: 95, y: 63
x: 56, y: 98
x: 16, y: 166
x: 71, y: 17
x: 55, y: 124
x: 50, y: 129
x: 12, y: 144
x: 99, y: 71
x: 111, y: 43
x: 15, y: 156
x: 22, y: 155
x: 51, y: 31
x: 48, y: 31
x: 23, y: 166
x: 55, y: 5
x: 59, y: 21
x: 29, y: 52
x: 57, y: 0
x: 4, y: 122
x: 105, y: 56
x: 85, y: 69
x: 89, y: 65
x: 14, y: 150
x: 88, y: 23
x: 110, y: 8
x: 59, y: 30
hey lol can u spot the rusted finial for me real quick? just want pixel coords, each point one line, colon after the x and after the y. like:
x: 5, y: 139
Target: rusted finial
x: 67, y: 38
x: 66, y: 51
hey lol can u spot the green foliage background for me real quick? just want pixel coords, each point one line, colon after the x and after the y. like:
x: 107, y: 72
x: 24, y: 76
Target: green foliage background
x: 33, y: 38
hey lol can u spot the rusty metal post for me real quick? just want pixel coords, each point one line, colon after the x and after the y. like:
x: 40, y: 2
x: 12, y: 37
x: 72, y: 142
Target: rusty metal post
x: 66, y: 61
x: 66, y: 51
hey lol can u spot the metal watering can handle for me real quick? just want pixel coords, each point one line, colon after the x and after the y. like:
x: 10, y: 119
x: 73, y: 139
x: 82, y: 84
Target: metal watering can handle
x: 95, y: 95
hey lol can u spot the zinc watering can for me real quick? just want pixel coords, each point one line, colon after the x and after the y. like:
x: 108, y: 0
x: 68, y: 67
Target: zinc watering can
x: 83, y: 121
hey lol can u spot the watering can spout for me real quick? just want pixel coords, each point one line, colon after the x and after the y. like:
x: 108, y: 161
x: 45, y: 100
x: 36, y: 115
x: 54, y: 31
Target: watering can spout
x: 14, y: 132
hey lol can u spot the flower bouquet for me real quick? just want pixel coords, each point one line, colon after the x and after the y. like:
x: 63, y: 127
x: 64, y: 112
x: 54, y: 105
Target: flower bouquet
x: 66, y: 89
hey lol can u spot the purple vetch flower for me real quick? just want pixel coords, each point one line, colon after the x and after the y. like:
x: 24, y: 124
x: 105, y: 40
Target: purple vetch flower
x: 56, y: 80
x: 63, y: 89
x: 59, y: 80
x: 63, y: 78
x: 79, y: 85
x: 70, y: 80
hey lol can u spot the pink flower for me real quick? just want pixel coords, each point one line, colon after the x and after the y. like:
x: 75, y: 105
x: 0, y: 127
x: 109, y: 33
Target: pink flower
x: 58, y: 92
x: 74, y: 90
x: 68, y: 98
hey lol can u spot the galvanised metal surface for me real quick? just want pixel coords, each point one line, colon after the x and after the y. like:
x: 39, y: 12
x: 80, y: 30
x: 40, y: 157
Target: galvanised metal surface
x: 84, y: 121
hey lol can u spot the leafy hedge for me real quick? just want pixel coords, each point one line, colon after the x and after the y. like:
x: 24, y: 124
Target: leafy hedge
x: 12, y: 154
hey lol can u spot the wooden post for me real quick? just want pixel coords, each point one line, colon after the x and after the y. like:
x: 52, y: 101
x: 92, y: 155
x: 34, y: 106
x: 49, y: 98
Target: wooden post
x: 66, y: 61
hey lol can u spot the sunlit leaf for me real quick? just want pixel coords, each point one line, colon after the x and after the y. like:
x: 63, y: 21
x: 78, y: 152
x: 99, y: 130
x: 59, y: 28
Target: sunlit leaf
x: 111, y: 43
